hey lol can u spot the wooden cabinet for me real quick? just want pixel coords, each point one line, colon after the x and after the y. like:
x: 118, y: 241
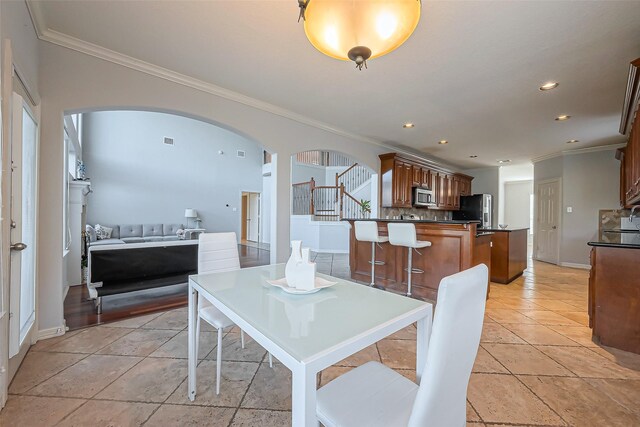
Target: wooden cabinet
x: 508, y: 254
x: 630, y: 125
x: 399, y: 175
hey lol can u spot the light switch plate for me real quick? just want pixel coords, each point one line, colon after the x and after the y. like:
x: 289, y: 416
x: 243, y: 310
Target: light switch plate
x: 569, y: 209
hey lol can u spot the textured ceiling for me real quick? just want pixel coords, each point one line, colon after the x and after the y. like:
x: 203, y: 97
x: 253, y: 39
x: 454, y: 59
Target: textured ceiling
x: 469, y: 74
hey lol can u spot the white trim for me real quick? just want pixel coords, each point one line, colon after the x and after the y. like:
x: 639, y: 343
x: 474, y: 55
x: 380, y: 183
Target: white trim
x: 579, y: 151
x: 43, y: 334
x: 575, y: 265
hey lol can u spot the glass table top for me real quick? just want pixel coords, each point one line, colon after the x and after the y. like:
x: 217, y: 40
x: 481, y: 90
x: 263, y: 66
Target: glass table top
x: 304, y: 325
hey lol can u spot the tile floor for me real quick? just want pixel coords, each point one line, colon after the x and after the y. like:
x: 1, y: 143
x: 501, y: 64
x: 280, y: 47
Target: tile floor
x: 536, y: 366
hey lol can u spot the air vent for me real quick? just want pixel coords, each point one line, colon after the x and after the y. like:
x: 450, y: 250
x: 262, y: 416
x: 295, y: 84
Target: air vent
x: 241, y: 153
x: 168, y: 141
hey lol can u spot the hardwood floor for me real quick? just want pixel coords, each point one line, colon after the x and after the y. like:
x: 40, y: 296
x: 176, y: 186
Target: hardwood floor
x: 79, y: 311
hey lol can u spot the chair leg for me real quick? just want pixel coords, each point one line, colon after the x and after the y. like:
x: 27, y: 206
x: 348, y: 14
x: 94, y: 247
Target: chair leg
x: 242, y: 338
x: 270, y: 360
x: 409, y: 270
x: 373, y: 264
x: 219, y: 361
x: 197, y: 335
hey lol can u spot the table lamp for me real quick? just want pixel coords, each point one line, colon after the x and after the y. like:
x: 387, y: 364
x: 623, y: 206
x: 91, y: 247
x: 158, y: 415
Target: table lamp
x: 190, y: 213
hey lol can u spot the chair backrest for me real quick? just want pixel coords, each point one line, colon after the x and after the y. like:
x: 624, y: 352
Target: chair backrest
x: 217, y: 252
x: 402, y: 234
x: 455, y: 337
x: 366, y: 231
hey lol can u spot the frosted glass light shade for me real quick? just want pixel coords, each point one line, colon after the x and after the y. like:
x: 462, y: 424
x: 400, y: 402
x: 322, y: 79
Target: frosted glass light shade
x: 190, y: 213
x: 334, y: 27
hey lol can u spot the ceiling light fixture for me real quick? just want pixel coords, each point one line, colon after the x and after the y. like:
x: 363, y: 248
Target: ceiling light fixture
x: 408, y: 125
x: 562, y: 118
x: 443, y: 141
x: 358, y: 30
x: 502, y: 161
x: 572, y: 141
x: 549, y: 86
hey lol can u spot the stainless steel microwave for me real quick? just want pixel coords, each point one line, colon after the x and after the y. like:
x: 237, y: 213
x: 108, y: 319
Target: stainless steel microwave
x: 423, y: 197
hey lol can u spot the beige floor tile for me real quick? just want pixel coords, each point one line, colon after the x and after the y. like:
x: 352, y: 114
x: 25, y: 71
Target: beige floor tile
x: 408, y: 333
x: 619, y: 357
x: 236, y: 377
x: 624, y: 392
x: 494, y: 302
x: 399, y: 354
x: 580, y: 317
x: 579, y: 403
x: 134, y: 322
x: 546, y: 317
x: 504, y: 399
x: 579, y: 334
x: 192, y: 416
x: 508, y: 316
x: 270, y: 389
x: 496, y: 333
x: 152, y: 380
x: 472, y: 415
x: 540, y: 334
x: 368, y: 354
x: 333, y: 372
x: 102, y: 413
x: 586, y: 363
x: 486, y: 363
x: 555, y: 305
x: 27, y: 411
x: 44, y: 345
x: 177, y: 347
x: 175, y: 320
x: 518, y: 303
x: 232, y: 349
x: 40, y: 366
x: 87, y: 377
x: 525, y: 359
x: 142, y: 342
x: 90, y: 340
x: 262, y: 418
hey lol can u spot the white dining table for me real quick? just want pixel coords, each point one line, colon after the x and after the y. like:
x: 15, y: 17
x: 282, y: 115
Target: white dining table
x: 306, y: 333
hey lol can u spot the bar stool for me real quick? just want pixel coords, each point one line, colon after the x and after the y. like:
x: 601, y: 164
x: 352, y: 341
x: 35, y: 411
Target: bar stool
x: 367, y: 231
x: 405, y: 235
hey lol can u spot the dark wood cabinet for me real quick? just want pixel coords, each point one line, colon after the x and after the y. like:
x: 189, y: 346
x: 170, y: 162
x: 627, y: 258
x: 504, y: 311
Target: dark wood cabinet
x: 630, y: 155
x: 399, y: 175
x: 508, y: 254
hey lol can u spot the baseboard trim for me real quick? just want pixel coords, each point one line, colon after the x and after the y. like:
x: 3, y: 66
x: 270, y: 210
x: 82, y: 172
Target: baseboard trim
x: 575, y: 265
x: 43, y: 334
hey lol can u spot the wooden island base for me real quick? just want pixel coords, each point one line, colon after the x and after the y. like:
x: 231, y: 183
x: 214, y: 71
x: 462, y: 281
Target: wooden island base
x: 455, y: 246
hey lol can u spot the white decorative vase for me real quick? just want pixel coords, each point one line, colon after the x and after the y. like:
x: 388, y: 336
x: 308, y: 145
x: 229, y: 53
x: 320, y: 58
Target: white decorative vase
x: 294, y: 259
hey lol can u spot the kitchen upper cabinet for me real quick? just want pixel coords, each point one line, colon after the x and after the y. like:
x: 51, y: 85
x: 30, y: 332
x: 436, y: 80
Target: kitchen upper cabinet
x: 399, y: 175
x: 630, y: 125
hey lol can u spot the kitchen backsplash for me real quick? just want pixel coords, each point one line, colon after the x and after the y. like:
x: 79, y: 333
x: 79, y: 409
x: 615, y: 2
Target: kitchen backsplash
x: 389, y: 213
x: 610, y: 218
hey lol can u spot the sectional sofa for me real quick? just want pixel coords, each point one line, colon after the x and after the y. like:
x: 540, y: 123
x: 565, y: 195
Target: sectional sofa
x: 136, y: 233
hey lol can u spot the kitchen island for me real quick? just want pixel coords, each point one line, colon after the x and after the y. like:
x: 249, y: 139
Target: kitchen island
x: 455, y: 246
x: 508, y: 254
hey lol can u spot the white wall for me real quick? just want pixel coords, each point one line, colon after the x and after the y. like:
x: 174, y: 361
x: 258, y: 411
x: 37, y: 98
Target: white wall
x: 137, y: 179
x: 517, y: 203
x: 320, y: 236
x: 590, y: 182
x: 508, y: 174
x: 268, y: 188
x: 301, y: 172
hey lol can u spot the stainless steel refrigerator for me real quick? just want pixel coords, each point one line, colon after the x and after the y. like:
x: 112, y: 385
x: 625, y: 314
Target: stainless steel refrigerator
x: 477, y: 207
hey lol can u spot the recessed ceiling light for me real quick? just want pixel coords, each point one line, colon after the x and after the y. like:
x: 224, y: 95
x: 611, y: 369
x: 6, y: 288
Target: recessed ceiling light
x: 504, y: 161
x: 473, y: 157
x: 408, y: 125
x: 571, y: 141
x: 562, y: 118
x: 549, y: 86
x: 443, y: 141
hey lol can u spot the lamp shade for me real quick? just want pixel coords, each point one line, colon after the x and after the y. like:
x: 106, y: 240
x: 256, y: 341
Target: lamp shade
x: 190, y: 213
x: 336, y: 27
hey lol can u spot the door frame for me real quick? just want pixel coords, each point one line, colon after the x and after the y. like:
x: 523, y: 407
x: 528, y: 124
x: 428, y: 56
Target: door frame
x: 246, y: 193
x: 535, y: 217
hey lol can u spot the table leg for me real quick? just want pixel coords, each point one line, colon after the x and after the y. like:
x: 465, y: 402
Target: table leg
x: 422, y: 344
x: 303, y: 402
x: 193, y: 357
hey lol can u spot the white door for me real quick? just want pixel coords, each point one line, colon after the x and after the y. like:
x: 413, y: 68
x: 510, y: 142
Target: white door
x: 547, y: 221
x: 22, y: 291
x: 253, y: 217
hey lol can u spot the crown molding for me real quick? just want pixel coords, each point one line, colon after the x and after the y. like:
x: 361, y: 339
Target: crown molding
x: 579, y: 151
x: 64, y: 40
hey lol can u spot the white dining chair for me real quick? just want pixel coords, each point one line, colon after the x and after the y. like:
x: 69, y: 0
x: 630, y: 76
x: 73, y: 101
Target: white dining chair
x: 217, y: 252
x: 374, y: 395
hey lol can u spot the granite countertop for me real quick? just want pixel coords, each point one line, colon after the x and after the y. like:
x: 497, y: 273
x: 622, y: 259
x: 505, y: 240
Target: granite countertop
x: 428, y: 221
x: 506, y: 230
x: 617, y: 240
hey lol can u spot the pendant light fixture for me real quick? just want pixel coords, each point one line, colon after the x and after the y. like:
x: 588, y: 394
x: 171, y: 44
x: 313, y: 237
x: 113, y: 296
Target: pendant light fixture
x: 358, y: 30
